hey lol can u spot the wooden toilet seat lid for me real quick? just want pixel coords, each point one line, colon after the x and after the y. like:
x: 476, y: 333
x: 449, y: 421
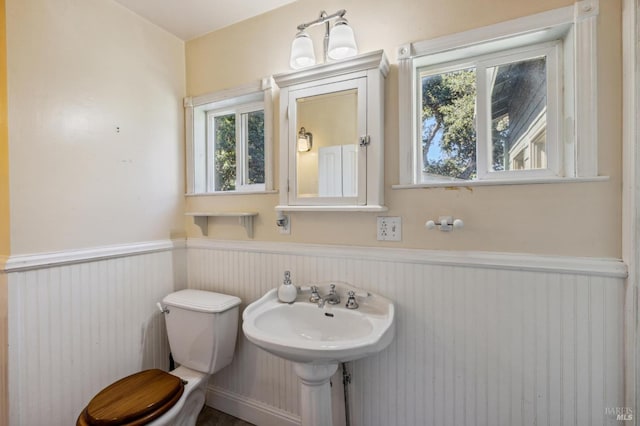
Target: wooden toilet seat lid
x: 133, y: 400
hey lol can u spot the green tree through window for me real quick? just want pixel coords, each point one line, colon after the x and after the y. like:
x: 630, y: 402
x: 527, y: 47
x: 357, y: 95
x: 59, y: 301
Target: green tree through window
x: 225, y: 152
x: 249, y: 168
x: 448, y: 115
x: 256, y: 147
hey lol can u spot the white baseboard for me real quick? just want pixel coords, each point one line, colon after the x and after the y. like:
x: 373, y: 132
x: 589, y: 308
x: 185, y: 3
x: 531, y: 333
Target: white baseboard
x: 249, y: 410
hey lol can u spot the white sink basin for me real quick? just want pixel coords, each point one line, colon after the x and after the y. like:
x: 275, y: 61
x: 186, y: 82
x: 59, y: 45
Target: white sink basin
x: 304, y: 333
x: 318, y: 339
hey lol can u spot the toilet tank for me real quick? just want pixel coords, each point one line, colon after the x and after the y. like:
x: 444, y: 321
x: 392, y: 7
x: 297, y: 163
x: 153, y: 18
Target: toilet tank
x: 202, y: 327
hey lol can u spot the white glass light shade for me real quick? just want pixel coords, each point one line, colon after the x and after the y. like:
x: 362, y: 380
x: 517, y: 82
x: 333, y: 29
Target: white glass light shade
x: 342, y: 43
x: 304, y: 145
x: 302, y: 54
x: 305, y: 140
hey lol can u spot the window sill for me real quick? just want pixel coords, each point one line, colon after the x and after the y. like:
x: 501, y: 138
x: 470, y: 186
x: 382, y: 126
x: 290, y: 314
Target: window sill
x: 215, y: 194
x: 456, y: 184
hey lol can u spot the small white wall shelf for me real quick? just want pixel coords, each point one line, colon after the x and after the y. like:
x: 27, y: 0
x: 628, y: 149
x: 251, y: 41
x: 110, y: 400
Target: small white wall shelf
x: 201, y: 219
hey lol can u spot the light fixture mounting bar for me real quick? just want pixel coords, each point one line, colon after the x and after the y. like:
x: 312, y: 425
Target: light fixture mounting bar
x: 322, y: 19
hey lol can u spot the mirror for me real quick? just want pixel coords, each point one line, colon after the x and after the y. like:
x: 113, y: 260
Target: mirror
x: 332, y: 136
x: 327, y: 145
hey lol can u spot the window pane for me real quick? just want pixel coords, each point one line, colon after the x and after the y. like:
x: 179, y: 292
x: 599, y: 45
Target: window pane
x: 255, y: 147
x: 225, y: 152
x: 448, y: 125
x: 518, y: 115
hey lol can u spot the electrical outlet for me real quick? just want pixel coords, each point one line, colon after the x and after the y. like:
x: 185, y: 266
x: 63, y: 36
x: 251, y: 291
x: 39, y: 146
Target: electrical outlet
x: 284, y: 223
x: 389, y: 228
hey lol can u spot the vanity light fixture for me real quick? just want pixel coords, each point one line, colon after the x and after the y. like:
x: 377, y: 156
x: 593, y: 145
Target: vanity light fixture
x: 339, y: 41
x: 305, y: 140
x: 302, y: 54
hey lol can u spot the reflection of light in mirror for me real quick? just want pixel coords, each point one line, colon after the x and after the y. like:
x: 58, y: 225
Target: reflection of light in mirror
x: 305, y: 140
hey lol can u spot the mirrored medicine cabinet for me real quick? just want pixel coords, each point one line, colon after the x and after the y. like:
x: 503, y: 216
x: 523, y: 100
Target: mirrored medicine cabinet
x: 332, y: 136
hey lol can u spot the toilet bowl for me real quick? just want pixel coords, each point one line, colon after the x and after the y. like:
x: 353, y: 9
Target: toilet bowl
x: 202, y: 330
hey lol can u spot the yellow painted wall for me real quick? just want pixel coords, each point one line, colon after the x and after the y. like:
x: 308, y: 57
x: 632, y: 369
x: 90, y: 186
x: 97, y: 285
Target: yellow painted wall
x: 578, y: 219
x: 5, y: 242
x: 96, y: 126
x: 4, y: 140
x: 4, y: 223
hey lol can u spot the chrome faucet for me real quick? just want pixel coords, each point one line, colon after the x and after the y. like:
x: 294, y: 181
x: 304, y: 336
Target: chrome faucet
x: 333, y: 298
x: 315, y: 296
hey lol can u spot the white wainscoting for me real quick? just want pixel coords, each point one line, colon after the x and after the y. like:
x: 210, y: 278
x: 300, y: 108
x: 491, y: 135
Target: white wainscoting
x: 80, y: 320
x: 481, y: 339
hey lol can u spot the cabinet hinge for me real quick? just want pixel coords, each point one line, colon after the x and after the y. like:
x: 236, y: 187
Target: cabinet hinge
x: 365, y: 140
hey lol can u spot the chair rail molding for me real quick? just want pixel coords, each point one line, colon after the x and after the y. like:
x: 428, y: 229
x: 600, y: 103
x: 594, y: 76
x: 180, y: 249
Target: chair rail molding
x: 613, y: 268
x: 23, y: 262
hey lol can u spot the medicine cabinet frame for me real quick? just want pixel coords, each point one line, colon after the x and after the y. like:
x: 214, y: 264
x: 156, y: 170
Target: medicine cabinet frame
x: 366, y: 73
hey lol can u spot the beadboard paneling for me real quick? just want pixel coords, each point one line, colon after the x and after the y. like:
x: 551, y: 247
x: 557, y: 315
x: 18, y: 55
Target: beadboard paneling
x: 478, y: 345
x: 77, y: 327
x: 500, y: 341
x: 4, y: 345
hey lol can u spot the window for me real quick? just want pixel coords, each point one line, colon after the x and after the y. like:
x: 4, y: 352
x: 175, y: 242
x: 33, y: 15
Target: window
x: 236, y: 144
x: 489, y: 115
x: 501, y: 103
x: 229, y: 141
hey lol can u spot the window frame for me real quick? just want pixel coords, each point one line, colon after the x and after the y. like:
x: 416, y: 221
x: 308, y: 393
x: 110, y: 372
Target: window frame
x: 199, y: 110
x: 552, y: 52
x: 576, y: 149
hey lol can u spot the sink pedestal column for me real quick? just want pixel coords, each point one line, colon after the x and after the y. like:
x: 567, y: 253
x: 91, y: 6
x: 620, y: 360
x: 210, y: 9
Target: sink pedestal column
x: 315, y: 393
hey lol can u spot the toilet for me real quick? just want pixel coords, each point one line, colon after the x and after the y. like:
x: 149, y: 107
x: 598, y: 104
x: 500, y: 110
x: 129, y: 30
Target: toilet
x: 202, y: 328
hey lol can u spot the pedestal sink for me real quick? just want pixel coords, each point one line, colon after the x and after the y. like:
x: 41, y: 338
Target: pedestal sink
x: 317, y: 339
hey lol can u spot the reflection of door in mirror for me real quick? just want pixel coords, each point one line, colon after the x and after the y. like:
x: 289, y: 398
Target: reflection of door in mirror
x: 330, y: 167
x: 337, y: 171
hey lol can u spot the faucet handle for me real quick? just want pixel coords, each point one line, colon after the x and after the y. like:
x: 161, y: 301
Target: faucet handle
x: 332, y: 289
x: 287, y: 277
x: 351, y: 301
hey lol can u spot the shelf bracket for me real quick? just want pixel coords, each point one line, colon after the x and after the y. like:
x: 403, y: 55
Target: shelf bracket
x: 247, y: 222
x: 202, y: 222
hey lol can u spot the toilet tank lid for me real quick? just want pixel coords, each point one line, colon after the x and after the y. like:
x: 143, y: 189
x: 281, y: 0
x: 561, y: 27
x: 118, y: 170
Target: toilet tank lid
x: 202, y: 301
